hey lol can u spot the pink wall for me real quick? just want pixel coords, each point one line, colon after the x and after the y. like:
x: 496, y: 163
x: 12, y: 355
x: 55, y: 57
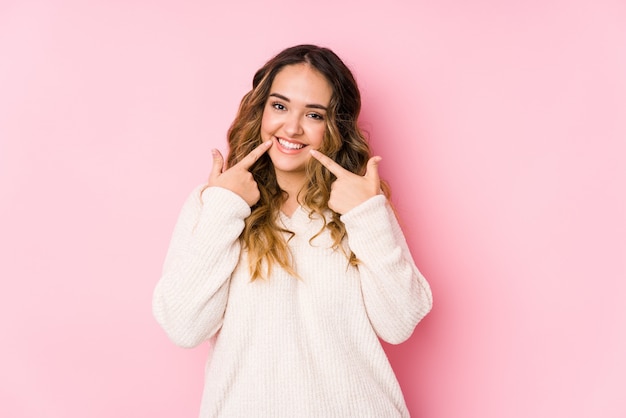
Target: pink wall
x: 503, y: 131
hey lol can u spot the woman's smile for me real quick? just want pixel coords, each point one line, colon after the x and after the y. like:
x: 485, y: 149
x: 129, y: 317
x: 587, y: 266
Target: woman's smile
x: 289, y: 146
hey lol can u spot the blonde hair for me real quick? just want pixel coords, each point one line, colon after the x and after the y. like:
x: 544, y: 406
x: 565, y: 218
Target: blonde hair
x: 344, y: 142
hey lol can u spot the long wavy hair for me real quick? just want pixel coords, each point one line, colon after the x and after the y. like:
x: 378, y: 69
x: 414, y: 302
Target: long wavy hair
x: 263, y: 237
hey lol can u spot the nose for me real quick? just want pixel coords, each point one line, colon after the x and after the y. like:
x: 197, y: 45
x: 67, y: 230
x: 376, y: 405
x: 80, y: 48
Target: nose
x: 293, y: 126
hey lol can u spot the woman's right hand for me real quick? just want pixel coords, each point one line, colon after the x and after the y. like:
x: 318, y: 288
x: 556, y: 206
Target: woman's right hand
x: 237, y: 178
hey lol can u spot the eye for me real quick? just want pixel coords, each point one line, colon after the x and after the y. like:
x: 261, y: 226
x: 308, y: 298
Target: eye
x: 315, y: 116
x: 278, y: 106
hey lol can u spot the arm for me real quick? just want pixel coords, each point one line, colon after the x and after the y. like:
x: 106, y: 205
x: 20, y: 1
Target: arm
x: 395, y: 293
x: 190, y: 298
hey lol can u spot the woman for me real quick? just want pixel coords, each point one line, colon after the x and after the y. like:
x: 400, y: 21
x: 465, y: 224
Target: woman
x: 290, y: 260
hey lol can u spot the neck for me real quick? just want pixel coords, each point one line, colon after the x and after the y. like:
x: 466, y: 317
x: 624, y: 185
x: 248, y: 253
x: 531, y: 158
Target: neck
x: 292, y: 184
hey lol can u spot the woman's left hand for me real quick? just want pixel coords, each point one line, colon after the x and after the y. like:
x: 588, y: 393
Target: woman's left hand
x: 350, y: 190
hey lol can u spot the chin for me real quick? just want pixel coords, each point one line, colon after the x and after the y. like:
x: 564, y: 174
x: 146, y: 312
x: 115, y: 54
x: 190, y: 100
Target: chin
x: 300, y: 169
x: 288, y: 164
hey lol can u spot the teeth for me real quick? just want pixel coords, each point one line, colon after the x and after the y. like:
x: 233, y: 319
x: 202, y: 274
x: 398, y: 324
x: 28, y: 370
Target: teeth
x: 289, y: 145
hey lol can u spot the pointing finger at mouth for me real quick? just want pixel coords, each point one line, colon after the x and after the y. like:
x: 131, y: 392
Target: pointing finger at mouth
x: 331, y: 165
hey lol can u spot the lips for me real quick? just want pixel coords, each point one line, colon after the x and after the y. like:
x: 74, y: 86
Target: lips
x: 289, y: 145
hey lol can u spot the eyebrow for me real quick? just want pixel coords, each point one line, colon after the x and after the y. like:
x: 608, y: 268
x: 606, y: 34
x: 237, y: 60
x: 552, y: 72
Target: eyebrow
x: 311, y: 105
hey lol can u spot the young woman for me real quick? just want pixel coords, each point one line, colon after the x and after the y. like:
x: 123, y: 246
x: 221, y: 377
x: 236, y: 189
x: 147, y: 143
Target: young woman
x: 290, y: 260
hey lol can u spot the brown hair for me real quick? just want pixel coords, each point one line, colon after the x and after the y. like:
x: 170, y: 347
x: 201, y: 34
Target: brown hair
x: 343, y: 141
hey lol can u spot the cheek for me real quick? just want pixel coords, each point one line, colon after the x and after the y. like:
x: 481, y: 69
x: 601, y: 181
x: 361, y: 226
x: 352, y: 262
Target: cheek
x: 266, y: 122
x: 317, y: 135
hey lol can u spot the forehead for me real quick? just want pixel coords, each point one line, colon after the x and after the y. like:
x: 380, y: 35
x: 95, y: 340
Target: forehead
x: 301, y: 82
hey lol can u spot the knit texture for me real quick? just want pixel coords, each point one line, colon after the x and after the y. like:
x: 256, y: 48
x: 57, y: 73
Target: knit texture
x: 283, y: 346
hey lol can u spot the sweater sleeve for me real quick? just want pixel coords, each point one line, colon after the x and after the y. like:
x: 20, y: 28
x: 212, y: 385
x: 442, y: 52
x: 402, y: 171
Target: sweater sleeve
x: 395, y: 293
x: 190, y: 298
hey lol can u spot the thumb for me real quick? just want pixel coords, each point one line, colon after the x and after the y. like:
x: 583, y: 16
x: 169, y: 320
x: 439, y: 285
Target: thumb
x: 218, y: 165
x: 372, y: 168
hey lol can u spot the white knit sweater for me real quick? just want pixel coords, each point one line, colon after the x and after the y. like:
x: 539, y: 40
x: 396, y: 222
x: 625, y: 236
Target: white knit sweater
x: 287, y: 347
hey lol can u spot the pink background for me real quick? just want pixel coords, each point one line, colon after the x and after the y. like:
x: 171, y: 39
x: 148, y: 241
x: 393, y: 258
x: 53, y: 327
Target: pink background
x: 502, y: 125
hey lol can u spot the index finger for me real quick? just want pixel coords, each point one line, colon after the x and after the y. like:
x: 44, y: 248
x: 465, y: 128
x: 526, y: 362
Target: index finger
x: 247, y: 161
x: 327, y: 162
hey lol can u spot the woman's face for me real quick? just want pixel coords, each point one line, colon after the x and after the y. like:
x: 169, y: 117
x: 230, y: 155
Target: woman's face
x: 294, y: 118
